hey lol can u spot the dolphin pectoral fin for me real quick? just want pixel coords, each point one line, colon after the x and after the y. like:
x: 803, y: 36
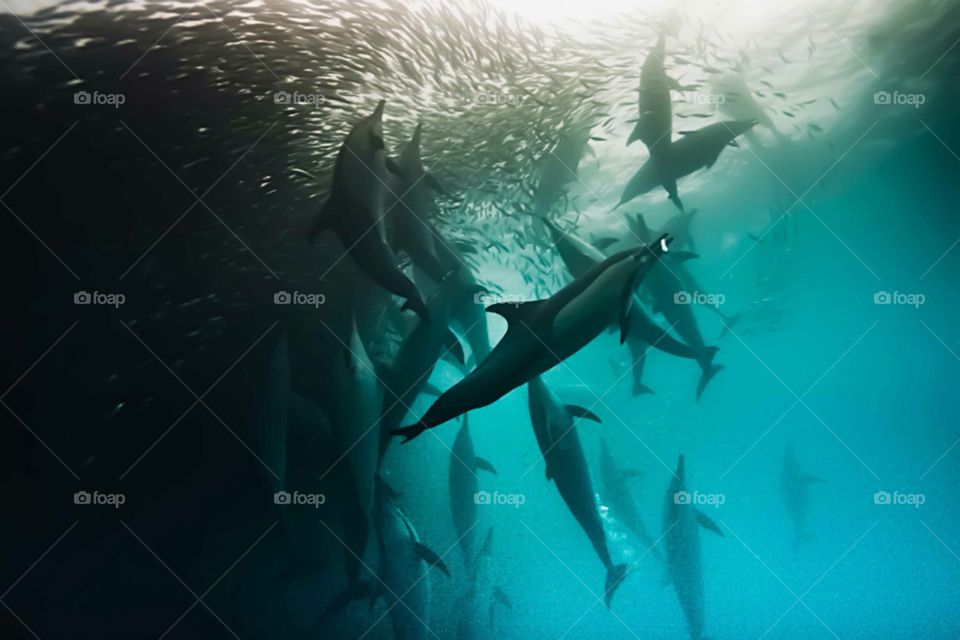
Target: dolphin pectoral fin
x: 452, y: 343
x: 408, y: 433
x: 431, y: 558
x: 514, y: 312
x: 626, y: 304
x: 327, y: 219
x: 707, y: 523
x: 636, y: 133
x: 484, y: 465
x: 487, y: 545
x: 355, y: 591
x: 728, y: 325
x: 580, y: 412
x: 604, y: 243
x: 433, y: 183
x: 393, y: 167
x: 615, y: 575
x: 683, y: 256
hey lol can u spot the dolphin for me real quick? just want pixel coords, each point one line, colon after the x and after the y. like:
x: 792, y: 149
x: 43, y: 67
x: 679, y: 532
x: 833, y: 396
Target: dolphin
x: 354, y: 209
x: 354, y: 410
x: 403, y: 565
x: 694, y: 151
x: 681, y: 537
x: 579, y: 256
x: 655, y: 126
x: 542, y: 334
x: 739, y: 104
x: 410, y: 371
x: 410, y: 233
x: 469, y: 606
x: 559, y: 167
x: 663, y: 286
x: 559, y: 442
x: 795, y: 489
x: 464, y: 485
x: 617, y: 494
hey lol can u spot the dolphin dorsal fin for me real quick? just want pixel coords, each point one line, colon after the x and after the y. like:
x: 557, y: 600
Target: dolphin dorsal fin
x: 515, y: 312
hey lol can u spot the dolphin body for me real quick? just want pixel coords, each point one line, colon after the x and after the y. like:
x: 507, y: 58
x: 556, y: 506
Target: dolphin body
x: 354, y: 209
x: 617, y: 494
x: 579, y: 256
x: 559, y: 168
x: 464, y: 485
x: 410, y: 233
x: 681, y: 527
x: 795, y: 489
x: 694, y: 151
x: 655, y: 125
x: 415, y: 360
x: 470, y: 606
x: 559, y: 442
x: 542, y: 334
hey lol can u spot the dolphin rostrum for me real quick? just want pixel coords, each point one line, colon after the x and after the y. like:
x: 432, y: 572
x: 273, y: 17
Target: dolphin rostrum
x: 542, y: 334
x: 681, y: 537
x: 795, y: 489
x: 616, y: 492
x: 354, y: 209
x: 559, y: 442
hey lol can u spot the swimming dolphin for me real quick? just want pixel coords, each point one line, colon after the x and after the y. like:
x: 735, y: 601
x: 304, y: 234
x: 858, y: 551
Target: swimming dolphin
x: 354, y: 409
x: 559, y: 442
x: 795, y: 489
x: 410, y: 233
x: 616, y: 493
x: 401, y: 562
x: 738, y: 103
x: 655, y: 126
x: 410, y: 371
x: 469, y: 606
x: 579, y: 256
x: 694, y: 151
x: 464, y: 485
x: 681, y: 527
x: 354, y: 209
x: 559, y: 168
x: 542, y: 334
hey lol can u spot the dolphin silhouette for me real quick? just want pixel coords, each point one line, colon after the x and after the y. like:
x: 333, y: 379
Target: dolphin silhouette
x: 795, y: 489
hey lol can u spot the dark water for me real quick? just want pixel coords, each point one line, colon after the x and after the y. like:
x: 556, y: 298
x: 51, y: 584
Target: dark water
x: 189, y: 201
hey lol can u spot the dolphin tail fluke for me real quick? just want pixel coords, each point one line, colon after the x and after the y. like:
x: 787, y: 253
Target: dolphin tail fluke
x: 355, y: 591
x: 728, y: 324
x: 615, y: 575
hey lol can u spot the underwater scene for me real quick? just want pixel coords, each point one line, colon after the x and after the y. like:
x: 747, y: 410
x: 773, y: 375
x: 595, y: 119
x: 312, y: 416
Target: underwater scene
x: 480, y: 319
